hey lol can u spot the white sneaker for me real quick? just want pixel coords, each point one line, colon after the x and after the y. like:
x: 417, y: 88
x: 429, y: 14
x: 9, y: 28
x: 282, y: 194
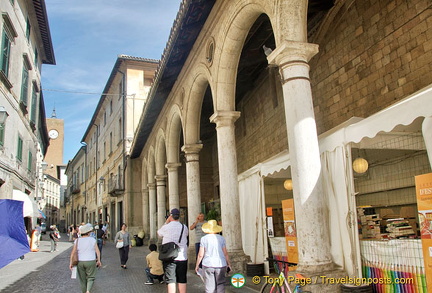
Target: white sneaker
x: 148, y: 283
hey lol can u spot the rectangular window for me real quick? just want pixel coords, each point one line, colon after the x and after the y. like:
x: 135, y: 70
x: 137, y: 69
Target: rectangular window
x: 120, y: 89
x: 28, y: 29
x: 120, y: 130
x: 2, y: 132
x: 36, y: 59
x: 110, y: 143
x: 33, y: 104
x: 24, y: 85
x: 19, y: 149
x: 5, y: 53
x: 111, y: 107
x: 30, y: 161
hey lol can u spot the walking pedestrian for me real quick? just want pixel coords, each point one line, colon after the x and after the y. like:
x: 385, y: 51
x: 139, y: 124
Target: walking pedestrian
x: 88, y: 258
x: 53, y: 238
x: 214, y: 256
x: 175, y: 270
x: 70, y: 232
x: 123, y: 236
x: 100, y: 237
x: 197, y: 226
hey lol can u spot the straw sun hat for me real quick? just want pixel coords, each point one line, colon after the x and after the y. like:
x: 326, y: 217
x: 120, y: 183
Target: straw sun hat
x: 211, y: 227
x: 86, y: 228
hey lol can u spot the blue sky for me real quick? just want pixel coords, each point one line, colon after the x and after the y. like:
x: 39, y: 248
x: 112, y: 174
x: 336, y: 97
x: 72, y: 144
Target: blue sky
x: 87, y: 36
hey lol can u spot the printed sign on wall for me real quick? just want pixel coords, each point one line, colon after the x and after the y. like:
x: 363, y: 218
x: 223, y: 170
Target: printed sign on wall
x: 424, y: 204
x: 290, y: 230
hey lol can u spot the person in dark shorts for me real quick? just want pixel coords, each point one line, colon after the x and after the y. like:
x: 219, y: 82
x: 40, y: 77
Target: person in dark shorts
x: 175, y: 271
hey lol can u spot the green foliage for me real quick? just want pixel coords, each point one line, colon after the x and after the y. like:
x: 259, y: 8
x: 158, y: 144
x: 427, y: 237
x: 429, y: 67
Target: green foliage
x: 213, y: 214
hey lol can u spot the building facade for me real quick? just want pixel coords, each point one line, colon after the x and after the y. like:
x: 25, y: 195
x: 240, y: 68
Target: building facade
x: 25, y: 45
x: 97, y: 186
x: 251, y: 93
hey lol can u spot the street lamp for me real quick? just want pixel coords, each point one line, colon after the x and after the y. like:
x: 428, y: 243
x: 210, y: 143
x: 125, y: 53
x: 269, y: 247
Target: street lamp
x: 3, y: 115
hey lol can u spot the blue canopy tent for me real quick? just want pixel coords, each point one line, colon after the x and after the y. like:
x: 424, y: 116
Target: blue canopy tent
x: 13, y: 238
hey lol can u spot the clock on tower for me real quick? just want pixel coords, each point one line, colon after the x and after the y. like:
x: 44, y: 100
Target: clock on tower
x: 53, y: 134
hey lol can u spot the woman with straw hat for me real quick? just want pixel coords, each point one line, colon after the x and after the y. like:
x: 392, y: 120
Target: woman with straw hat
x: 214, y: 256
x: 88, y: 258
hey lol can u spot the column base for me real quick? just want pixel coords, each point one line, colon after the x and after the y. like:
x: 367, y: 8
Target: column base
x: 239, y: 261
x: 328, y: 280
x: 191, y: 257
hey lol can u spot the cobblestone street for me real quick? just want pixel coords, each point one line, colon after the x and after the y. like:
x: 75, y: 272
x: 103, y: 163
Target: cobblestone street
x: 43, y: 271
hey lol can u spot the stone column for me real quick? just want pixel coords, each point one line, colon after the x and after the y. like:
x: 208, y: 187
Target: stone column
x: 145, y: 211
x: 193, y: 190
x: 161, y: 202
x: 229, y: 194
x: 152, y: 212
x: 311, y: 220
x: 173, y: 190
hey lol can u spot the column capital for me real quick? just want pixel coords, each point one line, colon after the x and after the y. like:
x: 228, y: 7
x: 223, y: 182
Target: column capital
x: 160, y: 178
x: 192, y: 148
x: 151, y: 186
x: 291, y: 51
x: 224, y: 118
x: 172, y: 166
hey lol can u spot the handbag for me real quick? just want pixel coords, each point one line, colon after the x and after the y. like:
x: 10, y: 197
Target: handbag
x: 119, y: 244
x: 75, y: 256
x: 169, y: 251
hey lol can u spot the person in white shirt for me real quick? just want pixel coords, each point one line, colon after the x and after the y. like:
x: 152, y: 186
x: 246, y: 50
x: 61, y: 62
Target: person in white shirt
x: 88, y: 258
x: 176, y: 270
x: 214, y: 256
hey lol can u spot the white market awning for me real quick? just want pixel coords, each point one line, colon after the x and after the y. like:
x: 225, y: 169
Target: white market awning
x: 30, y: 208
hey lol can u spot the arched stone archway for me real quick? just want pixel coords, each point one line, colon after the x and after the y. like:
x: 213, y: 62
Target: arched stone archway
x: 161, y: 177
x: 174, y: 132
x: 145, y: 197
x: 151, y: 173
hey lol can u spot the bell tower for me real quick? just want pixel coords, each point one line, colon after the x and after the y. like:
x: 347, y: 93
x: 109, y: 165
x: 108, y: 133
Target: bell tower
x: 54, y: 154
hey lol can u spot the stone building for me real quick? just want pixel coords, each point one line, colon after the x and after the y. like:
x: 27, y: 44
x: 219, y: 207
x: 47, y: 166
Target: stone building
x: 250, y: 93
x: 25, y: 45
x: 96, y: 176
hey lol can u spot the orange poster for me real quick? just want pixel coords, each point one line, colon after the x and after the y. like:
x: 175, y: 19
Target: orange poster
x: 424, y: 205
x: 290, y: 230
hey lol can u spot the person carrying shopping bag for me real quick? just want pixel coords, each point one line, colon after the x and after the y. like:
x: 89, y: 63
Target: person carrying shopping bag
x: 123, y: 243
x: 88, y: 258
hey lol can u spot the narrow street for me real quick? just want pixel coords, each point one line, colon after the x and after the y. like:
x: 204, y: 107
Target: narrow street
x: 43, y: 271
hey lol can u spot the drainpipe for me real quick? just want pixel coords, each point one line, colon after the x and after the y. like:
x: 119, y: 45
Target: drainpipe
x: 84, y: 145
x: 97, y: 163
x: 123, y: 93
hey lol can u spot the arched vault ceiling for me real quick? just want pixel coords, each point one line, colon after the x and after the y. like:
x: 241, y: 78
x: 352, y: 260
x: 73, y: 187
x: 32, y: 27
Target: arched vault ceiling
x: 186, y: 28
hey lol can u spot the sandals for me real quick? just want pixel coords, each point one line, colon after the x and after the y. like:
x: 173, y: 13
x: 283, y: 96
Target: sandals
x: 124, y: 266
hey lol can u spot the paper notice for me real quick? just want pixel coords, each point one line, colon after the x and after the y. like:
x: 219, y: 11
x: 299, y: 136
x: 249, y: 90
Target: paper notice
x: 74, y: 273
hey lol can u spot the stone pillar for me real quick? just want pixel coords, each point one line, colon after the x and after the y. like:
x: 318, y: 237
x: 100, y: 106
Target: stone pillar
x: 161, y: 202
x: 193, y: 191
x: 173, y: 190
x: 310, y: 208
x: 152, y: 212
x: 229, y: 193
x: 145, y: 211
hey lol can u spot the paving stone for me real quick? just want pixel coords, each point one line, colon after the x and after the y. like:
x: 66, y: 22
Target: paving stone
x: 43, y: 271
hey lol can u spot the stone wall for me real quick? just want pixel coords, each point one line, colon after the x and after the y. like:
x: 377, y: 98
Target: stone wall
x: 261, y: 129
x: 374, y: 54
